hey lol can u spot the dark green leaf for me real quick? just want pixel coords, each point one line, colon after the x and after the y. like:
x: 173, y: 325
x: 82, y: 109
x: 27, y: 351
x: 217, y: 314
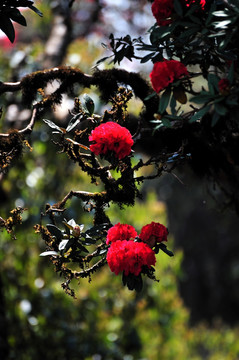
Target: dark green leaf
x: 191, y: 10
x: 159, y: 34
x: 210, y: 14
x: 173, y: 117
x: 220, y: 109
x: 222, y: 24
x: 49, y: 253
x: 231, y: 73
x: 66, y: 245
x: 195, y: 20
x: 89, y: 241
x: 164, y: 100
x: 147, y: 58
x: 7, y: 27
x: 132, y: 281
x: 204, y: 31
x: 164, y: 248
x: 173, y: 105
x: 55, y: 231
x: 96, y: 230
x: 53, y: 125
x: 89, y: 104
x: 38, y: 12
x: 201, y: 99
x: 192, y: 31
x: 215, y: 119
x: 82, y: 248
x: 150, y: 96
x: 73, y: 122
x: 213, y: 83
x: 225, y: 41
x: 16, y: 16
x: 178, y: 7
x: 166, y: 122
x: 232, y: 101
x: 199, y: 114
x: 63, y: 244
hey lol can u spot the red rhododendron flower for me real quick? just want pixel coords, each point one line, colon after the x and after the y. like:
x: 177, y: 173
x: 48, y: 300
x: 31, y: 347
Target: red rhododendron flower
x: 162, y: 10
x: 129, y: 256
x: 153, y: 233
x: 166, y: 72
x: 111, y: 137
x: 120, y: 232
x: 224, y: 86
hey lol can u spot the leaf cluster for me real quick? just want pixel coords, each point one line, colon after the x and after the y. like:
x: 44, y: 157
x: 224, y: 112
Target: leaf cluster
x: 9, y: 12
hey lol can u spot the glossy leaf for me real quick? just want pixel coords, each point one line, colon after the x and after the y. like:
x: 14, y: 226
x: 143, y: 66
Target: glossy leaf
x: 89, y: 103
x: 38, y: 12
x: 74, y: 122
x: 63, y: 244
x: 55, y: 231
x: 164, y: 100
x: 16, y: 16
x: 53, y: 125
x: 7, y: 27
x: 164, y: 248
x: 166, y: 122
x: 49, y: 253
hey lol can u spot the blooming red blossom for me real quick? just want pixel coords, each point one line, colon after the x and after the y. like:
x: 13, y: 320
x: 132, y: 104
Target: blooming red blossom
x: 129, y: 257
x: 153, y: 233
x: 162, y: 10
x: 224, y: 86
x: 121, y: 232
x: 166, y: 72
x: 111, y: 137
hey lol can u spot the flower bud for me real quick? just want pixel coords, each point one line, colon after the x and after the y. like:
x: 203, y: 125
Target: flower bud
x: 76, y: 231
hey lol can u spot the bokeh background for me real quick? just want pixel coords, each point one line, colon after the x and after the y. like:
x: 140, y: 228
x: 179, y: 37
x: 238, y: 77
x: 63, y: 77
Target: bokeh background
x: 192, y: 313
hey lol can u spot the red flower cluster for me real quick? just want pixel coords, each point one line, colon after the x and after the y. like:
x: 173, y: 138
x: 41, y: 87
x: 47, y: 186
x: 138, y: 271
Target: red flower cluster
x: 162, y: 10
x: 166, y: 72
x: 129, y: 257
x: 120, y: 232
x: 153, y: 233
x: 224, y: 86
x: 111, y: 137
